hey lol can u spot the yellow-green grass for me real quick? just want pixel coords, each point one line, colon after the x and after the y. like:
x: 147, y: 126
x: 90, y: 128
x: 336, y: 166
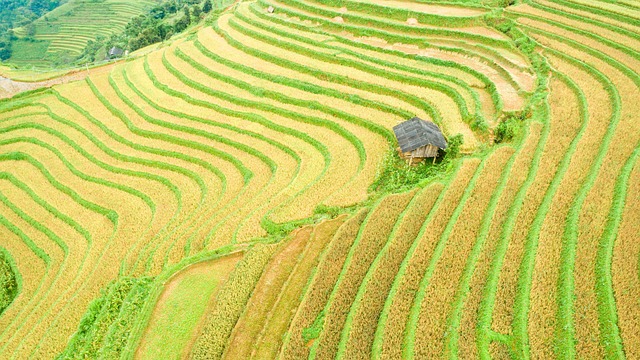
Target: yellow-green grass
x: 471, y: 328
x: 305, y: 325
x: 360, y: 327
x: 70, y: 26
x: 391, y: 328
x: 181, y: 307
x: 448, y: 274
x: 451, y: 118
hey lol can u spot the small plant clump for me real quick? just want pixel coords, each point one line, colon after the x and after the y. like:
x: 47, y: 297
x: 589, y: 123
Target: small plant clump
x: 396, y: 175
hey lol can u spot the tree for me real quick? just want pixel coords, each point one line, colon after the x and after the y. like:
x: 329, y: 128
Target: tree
x: 206, y: 8
x: 187, y: 14
x: 196, y: 12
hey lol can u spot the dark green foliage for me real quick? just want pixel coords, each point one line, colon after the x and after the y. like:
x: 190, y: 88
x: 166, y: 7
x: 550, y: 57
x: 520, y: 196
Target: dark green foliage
x: 508, y: 129
x: 396, y: 175
x: 104, y: 329
x: 158, y: 25
x: 206, y: 8
x: 8, y: 281
x: 17, y: 13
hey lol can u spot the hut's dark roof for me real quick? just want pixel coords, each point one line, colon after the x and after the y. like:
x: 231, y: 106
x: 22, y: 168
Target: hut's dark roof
x: 416, y: 133
x: 115, y: 51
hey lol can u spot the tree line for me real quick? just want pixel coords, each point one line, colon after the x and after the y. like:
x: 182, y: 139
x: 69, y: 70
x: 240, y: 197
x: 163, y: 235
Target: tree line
x: 159, y: 24
x: 18, y: 13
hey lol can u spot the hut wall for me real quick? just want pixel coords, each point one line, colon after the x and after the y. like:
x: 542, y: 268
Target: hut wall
x: 426, y: 151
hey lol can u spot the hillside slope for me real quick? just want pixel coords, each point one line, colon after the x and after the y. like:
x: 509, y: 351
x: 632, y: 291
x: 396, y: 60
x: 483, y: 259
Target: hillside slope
x: 526, y: 249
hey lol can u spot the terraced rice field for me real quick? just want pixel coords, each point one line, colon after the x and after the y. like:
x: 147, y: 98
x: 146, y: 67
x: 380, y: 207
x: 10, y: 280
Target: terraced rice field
x: 213, y: 149
x: 67, y: 29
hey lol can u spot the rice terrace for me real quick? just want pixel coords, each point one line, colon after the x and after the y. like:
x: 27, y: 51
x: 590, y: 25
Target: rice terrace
x: 320, y: 179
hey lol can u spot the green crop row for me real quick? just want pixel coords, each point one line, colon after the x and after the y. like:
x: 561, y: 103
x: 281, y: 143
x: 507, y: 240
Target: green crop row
x: 10, y: 280
x: 336, y: 128
x: 303, y: 85
x: 289, y: 100
x: 402, y: 14
x: 309, y: 319
x: 100, y: 330
x: 343, y: 80
x: 245, y: 116
x: 230, y: 303
x: 384, y: 24
x: 449, y: 91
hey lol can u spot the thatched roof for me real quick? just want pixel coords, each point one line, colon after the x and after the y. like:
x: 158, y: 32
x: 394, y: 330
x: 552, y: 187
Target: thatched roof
x: 416, y: 133
x: 115, y: 51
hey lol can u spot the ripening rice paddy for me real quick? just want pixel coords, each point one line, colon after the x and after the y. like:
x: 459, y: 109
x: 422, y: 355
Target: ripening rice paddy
x: 213, y: 198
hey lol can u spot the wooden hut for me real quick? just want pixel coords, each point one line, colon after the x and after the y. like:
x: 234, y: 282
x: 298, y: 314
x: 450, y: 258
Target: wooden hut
x: 419, y: 139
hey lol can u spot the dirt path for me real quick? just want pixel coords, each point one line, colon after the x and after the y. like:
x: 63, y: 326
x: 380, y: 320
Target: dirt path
x: 9, y: 88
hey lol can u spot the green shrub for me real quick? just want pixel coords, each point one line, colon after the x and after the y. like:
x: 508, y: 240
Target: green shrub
x: 395, y: 175
x: 8, y: 281
x: 508, y: 129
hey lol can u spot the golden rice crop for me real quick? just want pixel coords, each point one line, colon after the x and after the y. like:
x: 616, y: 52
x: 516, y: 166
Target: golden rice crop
x: 325, y: 67
x: 320, y: 287
x: 394, y: 328
x: 451, y: 117
x: 275, y: 329
x: 230, y: 303
x: 625, y: 265
x: 265, y: 295
x: 371, y: 239
x: 446, y: 277
x: 366, y: 311
x: 471, y: 326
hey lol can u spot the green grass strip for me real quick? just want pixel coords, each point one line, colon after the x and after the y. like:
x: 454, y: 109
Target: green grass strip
x: 376, y: 351
x: 355, y: 305
x: 406, y: 79
x: 607, y: 312
x: 414, y: 314
x: 301, y: 85
x: 452, y: 335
